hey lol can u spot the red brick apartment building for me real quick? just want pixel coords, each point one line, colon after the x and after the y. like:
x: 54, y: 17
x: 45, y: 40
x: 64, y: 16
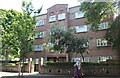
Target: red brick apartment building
x: 99, y: 49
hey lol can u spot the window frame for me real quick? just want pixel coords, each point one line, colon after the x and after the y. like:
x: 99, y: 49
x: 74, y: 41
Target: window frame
x: 61, y: 16
x: 38, y: 34
x: 102, y: 42
x: 52, y: 18
x: 79, y: 14
x: 78, y: 30
x: 38, y: 49
x: 104, y: 58
x: 40, y: 22
x: 103, y: 25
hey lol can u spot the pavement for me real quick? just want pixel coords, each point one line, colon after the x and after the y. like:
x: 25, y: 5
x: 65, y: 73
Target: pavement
x: 30, y: 75
x: 16, y: 73
x: 37, y: 75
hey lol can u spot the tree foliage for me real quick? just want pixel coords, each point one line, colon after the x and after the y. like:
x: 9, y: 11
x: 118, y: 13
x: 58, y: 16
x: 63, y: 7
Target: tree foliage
x: 17, y: 32
x: 66, y: 41
x: 18, y: 29
x: 96, y: 12
x: 113, y: 33
x: 28, y: 8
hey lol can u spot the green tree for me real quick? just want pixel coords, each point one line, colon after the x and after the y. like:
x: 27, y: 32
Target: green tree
x: 66, y: 41
x: 96, y: 12
x: 9, y: 19
x: 113, y: 33
x: 8, y: 38
x: 28, y: 8
x: 17, y: 33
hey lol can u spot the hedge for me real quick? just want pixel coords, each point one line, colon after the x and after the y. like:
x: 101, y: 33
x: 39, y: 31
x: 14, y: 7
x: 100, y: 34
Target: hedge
x: 60, y: 63
x: 101, y: 63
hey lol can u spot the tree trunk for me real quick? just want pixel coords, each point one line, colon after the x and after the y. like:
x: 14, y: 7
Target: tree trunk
x: 69, y: 57
x: 21, y: 64
x: 19, y: 67
x: 23, y: 68
x: 6, y: 56
x: 82, y: 57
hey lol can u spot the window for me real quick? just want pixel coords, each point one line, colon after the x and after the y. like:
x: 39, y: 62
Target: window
x: 38, y: 47
x: 51, y: 31
x: 103, y: 25
x: 79, y: 14
x: 105, y: 58
x: 52, y: 18
x: 36, y: 61
x: 39, y: 35
x: 82, y: 28
x: 86, y: 59
x: 75, y: 59
x: 61, y: 16
x: 102, y: 42
x: 40, y: 23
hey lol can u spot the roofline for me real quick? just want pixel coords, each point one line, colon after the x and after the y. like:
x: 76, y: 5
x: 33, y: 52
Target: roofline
x: 41, y: 14
x: 74, y: 6
x: 56, y: 4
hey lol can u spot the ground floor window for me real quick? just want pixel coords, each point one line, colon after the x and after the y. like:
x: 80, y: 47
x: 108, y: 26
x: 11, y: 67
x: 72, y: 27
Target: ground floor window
x: 36, y: 60
x: 104, y: 58
x: 56, y: 59
x: 86, y: 59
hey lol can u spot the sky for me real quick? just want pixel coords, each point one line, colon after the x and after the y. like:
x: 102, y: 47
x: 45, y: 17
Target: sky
x: 16, y: 4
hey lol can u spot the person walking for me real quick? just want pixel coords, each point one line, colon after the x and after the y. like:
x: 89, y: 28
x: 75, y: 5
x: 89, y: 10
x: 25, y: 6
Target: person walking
x: 75, y: 71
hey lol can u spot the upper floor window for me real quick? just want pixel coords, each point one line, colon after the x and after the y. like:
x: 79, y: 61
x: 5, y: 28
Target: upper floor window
x: 102, y: 42
x: 38, y: 47
x: 103, y: 25
x: 40, y: 23
x: 82, y: 28
x: 79, y: 14
x: 52, y: 31
x: 39, y: 35
x: 52, y: 18
x: 61, y: 16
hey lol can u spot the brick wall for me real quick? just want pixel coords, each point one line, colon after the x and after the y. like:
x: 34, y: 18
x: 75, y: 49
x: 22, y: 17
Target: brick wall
x: 71, y: 21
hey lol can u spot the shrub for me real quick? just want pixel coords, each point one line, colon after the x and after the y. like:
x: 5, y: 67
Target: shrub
x: 8, y: 64
x: 49, y: 62
x: 22, y: 63
x: 60, y: 63
x: 101, y: 63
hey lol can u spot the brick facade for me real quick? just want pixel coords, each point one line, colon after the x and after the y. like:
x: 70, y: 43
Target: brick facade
x: 95, y: 53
